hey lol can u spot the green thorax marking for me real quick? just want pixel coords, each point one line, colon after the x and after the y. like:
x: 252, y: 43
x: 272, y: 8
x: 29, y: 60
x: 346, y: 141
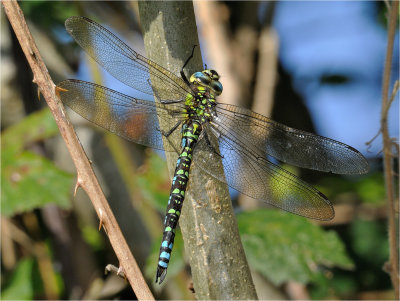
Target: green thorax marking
x: 200, y: 103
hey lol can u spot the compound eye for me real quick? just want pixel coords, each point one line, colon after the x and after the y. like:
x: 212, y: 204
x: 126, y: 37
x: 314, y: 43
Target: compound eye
x: 207, y: 72
x: 200, y: 78
x: 204, y: 79
x: 214, y: 75
x: 217, y: 87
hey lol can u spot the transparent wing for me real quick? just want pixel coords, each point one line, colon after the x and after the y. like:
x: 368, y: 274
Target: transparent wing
x: 259, y: 178
x: 131, y: 118
x: 269, y: 138
x: 123, y: 62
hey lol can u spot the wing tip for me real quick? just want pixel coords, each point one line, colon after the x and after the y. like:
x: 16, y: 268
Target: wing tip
x: 69, y: 20
x: 326, y: 215
x: 360, y: 163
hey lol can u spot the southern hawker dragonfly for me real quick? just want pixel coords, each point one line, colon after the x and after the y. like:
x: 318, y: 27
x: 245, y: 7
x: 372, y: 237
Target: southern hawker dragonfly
x: 205, y: 131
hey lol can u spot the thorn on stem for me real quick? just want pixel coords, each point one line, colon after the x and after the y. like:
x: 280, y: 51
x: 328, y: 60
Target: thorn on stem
x: 113, y: 269
x: 121, y: 272
x: 101, y: 219
x: 58, y: 90
x: 77, y: 185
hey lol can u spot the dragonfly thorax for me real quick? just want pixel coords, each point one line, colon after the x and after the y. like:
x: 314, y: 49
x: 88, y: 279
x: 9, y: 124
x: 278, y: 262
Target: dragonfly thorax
x: 200, y: 104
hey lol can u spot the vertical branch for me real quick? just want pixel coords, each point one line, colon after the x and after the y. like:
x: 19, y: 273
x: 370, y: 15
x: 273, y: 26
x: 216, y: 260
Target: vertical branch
x: 86, y: 177
x: 208, y: 224
x: 387, y: 149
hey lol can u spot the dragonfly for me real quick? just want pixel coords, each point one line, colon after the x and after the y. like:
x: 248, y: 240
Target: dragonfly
x: 204, y: 132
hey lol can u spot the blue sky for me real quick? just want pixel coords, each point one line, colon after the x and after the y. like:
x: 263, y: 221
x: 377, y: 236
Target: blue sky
x: 329, y: 38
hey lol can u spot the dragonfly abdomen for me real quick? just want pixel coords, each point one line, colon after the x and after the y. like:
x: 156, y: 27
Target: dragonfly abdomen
x: 190, y: 136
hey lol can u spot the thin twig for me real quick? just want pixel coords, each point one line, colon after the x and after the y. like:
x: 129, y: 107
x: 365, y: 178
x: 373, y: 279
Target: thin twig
x: 385, y: 110
x: 392, y: 97
x: 387, y: 149
x: 86, y: 177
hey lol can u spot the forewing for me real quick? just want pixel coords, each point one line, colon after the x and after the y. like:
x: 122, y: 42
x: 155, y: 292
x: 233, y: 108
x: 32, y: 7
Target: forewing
x: 131, y: 118
x: 260, y: 179
x: 269, y: 138
x: 123, y: 62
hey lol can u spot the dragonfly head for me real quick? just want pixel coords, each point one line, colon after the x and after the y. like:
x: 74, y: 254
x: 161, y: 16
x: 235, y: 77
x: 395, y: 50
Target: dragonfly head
x: 207, y: 78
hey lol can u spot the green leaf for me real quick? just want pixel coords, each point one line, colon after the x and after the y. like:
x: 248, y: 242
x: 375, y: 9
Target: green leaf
x: 20, y: 286
x: 368, y: 239
x: 93, y: 237
x: 154, y: 182
x: 27, y: 179
x: 338, y: 287
x: 35, y: 127
x: 284, y: 247
x: 372, y: 189
x: 369, y: 188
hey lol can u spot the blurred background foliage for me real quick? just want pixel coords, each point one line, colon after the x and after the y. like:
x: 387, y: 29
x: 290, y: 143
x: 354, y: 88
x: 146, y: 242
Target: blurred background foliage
x: 50, y: 245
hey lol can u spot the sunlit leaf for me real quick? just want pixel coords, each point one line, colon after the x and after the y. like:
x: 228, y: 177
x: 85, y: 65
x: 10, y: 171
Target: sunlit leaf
x: 284, y: 247
x: 28, y: 180
x: 35, y: 127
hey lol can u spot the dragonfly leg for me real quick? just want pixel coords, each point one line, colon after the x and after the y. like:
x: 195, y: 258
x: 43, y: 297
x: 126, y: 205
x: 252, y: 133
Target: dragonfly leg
x: 154, y: 91
x: 210, y: 145
x: 167, y: 102
x: 164, y: 102
x: 184, y: 65
x: 167, y: 134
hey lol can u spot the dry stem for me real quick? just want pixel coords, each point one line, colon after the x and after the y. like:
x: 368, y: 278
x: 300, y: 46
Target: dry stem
x: 86, y: 177
x: 387, y: 150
